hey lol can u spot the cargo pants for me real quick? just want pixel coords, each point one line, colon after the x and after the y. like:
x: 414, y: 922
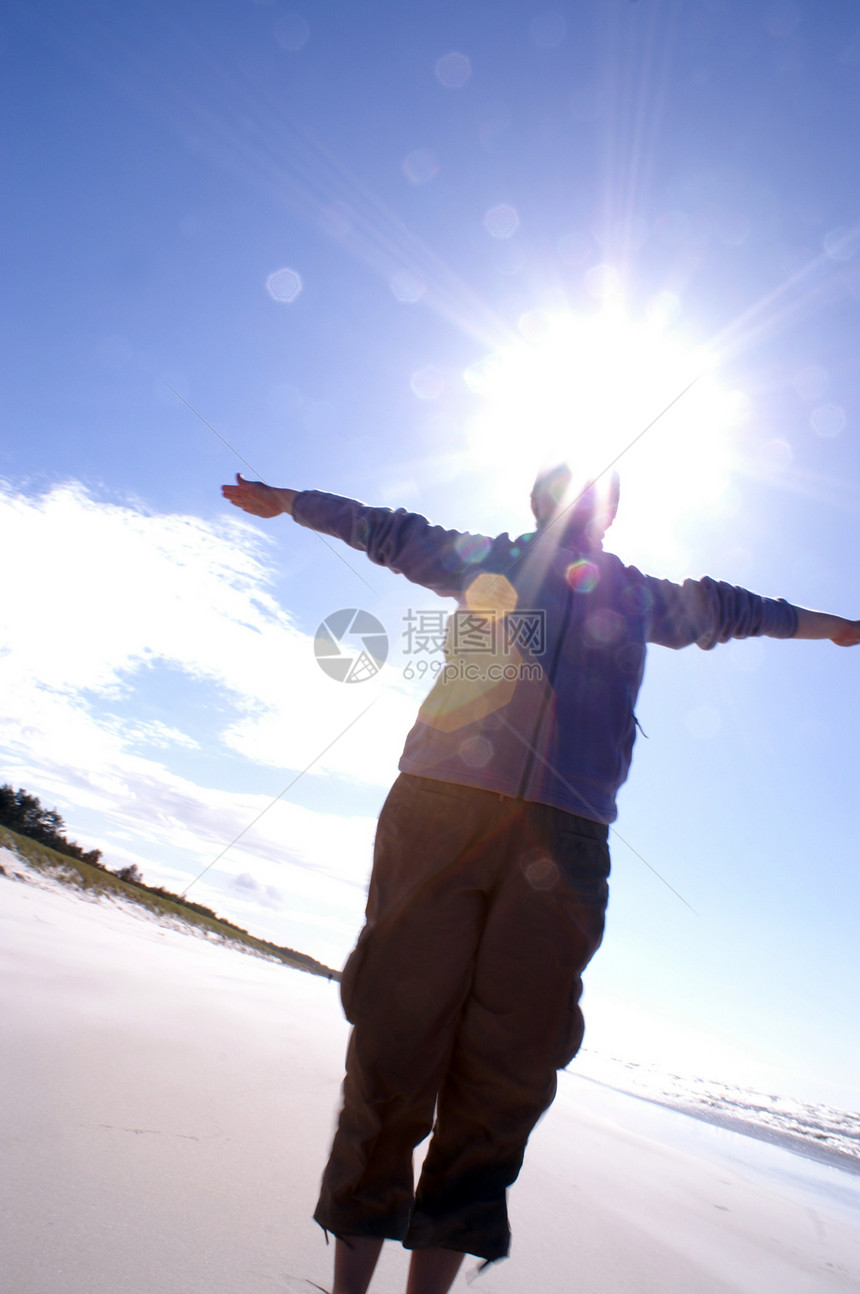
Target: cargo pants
x: 463, y: 992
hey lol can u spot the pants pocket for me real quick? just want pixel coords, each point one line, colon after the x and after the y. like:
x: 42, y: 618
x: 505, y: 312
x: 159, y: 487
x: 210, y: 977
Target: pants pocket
x: 573, y: 1030
x: 350, y: 977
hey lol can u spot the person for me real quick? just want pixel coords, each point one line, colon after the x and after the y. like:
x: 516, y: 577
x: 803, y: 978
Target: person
x: 489, y: 882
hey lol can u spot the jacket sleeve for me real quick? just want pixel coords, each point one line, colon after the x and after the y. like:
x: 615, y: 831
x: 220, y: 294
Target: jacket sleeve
x: 707, y: 612
x: 405, y: 542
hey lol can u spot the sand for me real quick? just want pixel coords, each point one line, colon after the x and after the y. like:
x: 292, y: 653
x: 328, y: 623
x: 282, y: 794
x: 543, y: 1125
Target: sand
x: 167, y: 1104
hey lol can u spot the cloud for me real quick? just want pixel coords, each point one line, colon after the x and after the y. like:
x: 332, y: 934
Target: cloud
x: 101, y: 593
x: 140, y: 648
x: 155, y: 733
x: 266, y: 894
x: 98, y: 589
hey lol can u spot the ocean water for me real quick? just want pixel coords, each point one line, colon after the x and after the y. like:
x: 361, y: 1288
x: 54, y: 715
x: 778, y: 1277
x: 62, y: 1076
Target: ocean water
x: 818, y: 1131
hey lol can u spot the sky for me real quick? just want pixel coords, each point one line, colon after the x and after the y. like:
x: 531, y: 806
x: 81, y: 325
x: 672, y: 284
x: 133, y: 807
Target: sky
x: 405, y: 253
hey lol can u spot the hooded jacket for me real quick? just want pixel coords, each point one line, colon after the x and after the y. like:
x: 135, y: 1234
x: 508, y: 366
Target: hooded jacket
x: 545, y: 653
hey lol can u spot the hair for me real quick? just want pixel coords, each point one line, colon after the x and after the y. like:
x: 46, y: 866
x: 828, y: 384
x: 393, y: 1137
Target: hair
x: 555, y: 491
x: 551, y: 487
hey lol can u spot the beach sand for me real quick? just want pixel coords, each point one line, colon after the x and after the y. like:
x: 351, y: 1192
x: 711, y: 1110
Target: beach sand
x: 167, y: 1104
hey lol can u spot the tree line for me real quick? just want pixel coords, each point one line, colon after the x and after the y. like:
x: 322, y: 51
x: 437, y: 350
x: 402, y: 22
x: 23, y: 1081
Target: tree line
x: 24, y: 813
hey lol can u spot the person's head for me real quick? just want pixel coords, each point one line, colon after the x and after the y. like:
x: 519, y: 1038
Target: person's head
x: 580, y: 508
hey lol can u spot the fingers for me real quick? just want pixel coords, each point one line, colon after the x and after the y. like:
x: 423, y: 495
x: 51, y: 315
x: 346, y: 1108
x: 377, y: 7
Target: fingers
x: 242, y: 489
x: 254, y: 497
x: 239, y: 494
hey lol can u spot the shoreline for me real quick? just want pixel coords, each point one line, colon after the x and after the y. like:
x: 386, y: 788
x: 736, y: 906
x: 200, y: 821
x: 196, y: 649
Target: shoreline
x: 831, y: 1156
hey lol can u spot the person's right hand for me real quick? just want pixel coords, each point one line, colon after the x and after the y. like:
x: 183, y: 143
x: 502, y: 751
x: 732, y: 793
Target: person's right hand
x: 256, y: 497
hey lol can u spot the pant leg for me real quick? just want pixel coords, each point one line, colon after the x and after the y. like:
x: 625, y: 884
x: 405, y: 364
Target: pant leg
x: 520, y: 1023
x: 403, y: 989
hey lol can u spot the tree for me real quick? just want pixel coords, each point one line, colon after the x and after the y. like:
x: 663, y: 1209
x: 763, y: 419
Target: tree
x: 23, y: 813
x: 131, y: 873
x: 8, y: 806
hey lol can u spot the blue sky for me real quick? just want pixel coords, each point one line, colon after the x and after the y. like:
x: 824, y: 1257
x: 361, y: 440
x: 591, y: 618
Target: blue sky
x: 505, y: 227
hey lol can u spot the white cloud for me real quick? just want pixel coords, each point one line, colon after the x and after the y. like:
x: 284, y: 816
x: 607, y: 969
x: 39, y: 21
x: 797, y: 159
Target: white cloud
x: 156, y: 733
x: 100, y: 592
x: 97, y: 595
x: 98, y: 588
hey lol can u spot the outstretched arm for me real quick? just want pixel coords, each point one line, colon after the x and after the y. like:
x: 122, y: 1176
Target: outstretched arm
x: 707, y: 612
x: 820, y: 624
x: 405, y: 542
x: 259, y: 499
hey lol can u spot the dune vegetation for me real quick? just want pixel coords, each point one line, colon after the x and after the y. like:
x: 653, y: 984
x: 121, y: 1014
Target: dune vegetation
x: 96, y: 882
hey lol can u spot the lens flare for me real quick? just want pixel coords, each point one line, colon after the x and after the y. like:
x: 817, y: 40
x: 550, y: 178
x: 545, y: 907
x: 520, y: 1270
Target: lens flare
x: 582, y: 576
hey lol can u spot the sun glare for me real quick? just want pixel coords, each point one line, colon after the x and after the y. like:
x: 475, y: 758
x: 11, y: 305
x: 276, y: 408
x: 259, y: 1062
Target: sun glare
x: 603, y: 390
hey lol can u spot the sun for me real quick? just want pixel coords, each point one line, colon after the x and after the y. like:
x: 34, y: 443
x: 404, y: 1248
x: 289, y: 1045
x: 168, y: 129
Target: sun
x: 604, y: 390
